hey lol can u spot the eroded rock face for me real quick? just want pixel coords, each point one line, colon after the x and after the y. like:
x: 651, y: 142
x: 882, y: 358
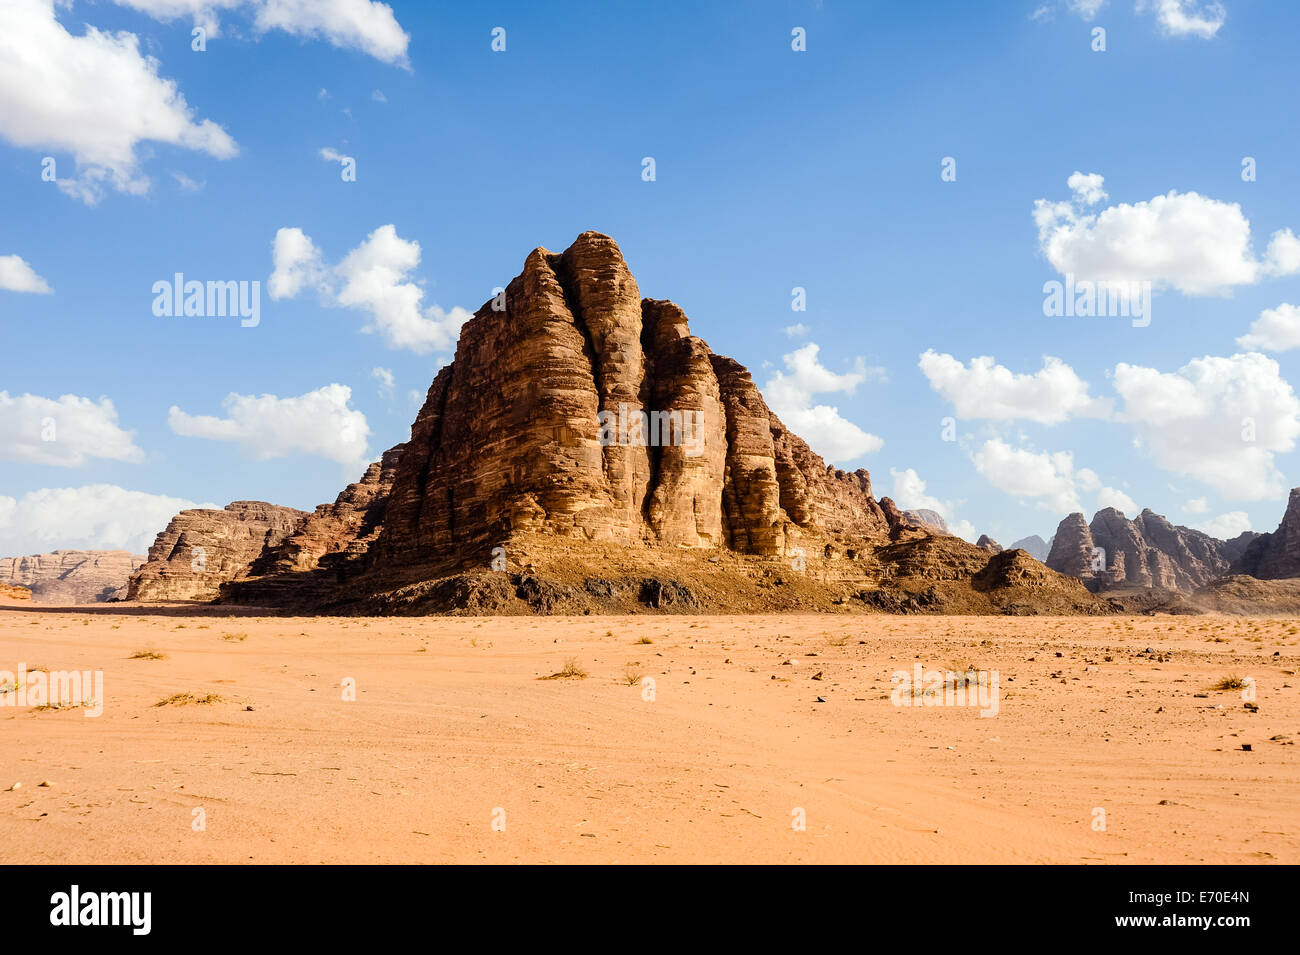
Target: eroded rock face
x: 1147, y: 551
x: 202, y: 549
x: 989, y: 544
x: 71, y: 576
x: 1072, y: 546
x: 537, y: 427
x: 1276, y: 555
x: 338, y: 532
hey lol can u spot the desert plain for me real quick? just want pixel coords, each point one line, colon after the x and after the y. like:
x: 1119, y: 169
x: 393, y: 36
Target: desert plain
x: 236, y: 738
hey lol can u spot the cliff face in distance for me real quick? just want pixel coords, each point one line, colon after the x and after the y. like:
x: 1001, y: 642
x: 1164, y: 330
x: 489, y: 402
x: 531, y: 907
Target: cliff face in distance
x: 202, y: 549
x: 1034, y: 546
x: 71, y: 576
x: 1276, y: 555
x: 1147, y: 551
x: 584, y: 452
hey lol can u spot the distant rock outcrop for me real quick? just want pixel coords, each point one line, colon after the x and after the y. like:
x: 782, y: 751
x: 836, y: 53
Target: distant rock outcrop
x: 1275, y: 555
x: 928, y: 518
x: 1034, y: 546
x: 202, y: 549
x: 71, y: 576
x: 1146, y: 552
x: 989, y: 544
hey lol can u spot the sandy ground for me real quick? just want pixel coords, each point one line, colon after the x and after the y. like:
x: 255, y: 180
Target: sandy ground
x: 455, y: 751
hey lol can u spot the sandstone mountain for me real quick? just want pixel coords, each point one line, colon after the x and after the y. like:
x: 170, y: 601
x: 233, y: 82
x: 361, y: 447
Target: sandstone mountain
x: 71, y: 576
x: 989, y: 544
x: 1146, y: 552
x: 584, y: 452
x: 1275, y: 555
x: 202, y: 549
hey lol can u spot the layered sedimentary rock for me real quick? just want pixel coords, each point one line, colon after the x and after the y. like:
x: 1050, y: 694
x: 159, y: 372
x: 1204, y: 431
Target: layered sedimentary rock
x: 1147, y: 551
x: 989, y: 544
x: 338, y: 532
x: 201, y: 549
x: 582, y: 411
x: 1275, y: 555
x: 71, y: 576
x: 584, y: 452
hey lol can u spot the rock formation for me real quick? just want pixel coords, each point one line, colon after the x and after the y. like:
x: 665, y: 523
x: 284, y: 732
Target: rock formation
x: 989, y: 544
x: 929, y: 519
x: 339, y: 532
x: 584, y: 412
x: 14, y: 592
x: 1276, y: 555
x: 201, y: 549
x: 584, y: 452
x: 1034, y: 546
x: 71, y: 576
x: 1072, y: 548
x: 1146, y: 552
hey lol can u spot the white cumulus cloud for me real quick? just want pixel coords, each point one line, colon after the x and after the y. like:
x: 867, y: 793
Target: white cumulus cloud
x: 17, y: 276
x: 1276, y: 329
x: 1225, y: 526
x: 1187, y: 241
x: 373, y: 278
x: 93, y: 95
x: 64, y: 431
x: 986, y: 389
x: 790, y: 394
x: 318, y: 423
x: 1044, y: 476
x: 909, y: 494
x: 362, y: 25
x: 93, y: 517
x: 1189, y: 17
x: 1219, y: 420
x: 1113, y: 497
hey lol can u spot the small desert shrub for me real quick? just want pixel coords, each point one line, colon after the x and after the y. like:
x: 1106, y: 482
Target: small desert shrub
x: 147, y: 655
x: 631, y: 676
x: 234, y: 636
x: 185, y: 699
x: 645, y: 640
x: 1230, y: 682
x: 571, y: 671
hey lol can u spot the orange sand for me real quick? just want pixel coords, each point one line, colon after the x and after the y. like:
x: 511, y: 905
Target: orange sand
x: 451, y: 729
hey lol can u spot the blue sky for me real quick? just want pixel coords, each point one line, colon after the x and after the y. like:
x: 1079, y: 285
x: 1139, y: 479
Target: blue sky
x: 774, y: 169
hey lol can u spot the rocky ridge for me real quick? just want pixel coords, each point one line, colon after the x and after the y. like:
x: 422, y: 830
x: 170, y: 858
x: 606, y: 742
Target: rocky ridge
x: 71, y: 576
x: 201, y: 549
